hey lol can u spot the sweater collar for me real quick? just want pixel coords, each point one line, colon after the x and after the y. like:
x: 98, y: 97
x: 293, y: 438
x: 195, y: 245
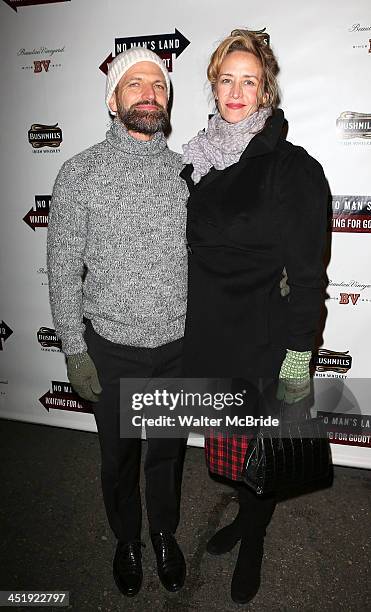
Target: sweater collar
x: 119, y: 137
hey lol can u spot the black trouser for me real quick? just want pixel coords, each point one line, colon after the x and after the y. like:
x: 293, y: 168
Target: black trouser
x: 121, y: 456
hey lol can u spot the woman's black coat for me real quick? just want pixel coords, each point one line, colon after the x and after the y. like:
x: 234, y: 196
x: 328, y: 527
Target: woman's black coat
x: 245, y: 224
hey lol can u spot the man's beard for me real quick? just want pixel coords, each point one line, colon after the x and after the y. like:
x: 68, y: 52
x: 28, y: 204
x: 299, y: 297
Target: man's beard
x: 144, y: 121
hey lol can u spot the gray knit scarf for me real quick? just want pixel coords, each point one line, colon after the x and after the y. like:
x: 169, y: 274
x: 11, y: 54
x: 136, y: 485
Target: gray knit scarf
x: 223, y: 143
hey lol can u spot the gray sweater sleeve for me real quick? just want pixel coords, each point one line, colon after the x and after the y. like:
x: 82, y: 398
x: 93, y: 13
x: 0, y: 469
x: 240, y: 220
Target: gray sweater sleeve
x: 66, y: 241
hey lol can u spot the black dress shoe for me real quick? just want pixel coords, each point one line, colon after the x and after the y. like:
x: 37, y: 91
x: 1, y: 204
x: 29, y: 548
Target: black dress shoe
x: 171, y: 565
x: 127, y: 567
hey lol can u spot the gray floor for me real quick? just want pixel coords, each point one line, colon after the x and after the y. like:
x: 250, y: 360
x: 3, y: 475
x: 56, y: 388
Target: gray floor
x: 55, y: 536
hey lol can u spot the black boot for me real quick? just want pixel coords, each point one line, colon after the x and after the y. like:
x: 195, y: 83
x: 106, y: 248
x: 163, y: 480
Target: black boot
x: 225, y: 539
x: 246, y: 575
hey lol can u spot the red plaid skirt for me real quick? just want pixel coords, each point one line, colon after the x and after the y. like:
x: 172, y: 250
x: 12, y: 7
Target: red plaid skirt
x: 225, y: 453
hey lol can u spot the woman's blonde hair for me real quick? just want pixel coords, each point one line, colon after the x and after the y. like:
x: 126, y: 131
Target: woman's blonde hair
x: 256, y: 43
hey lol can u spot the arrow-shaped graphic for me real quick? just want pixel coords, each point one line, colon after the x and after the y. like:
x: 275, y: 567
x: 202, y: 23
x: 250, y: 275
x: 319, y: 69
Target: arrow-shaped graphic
x: 104, y: 65
x: 39, y: 216
x: 173, y: 43
x: 162, y: 44
x: 5, y: 332
x: 183, y: 42
x: 34, y: 219
x: 60, y: 401
x: 14, y: 4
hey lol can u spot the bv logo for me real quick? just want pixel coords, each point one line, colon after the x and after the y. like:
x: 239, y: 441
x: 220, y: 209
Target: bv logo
x: 347, y: 298
x: 39, y: 65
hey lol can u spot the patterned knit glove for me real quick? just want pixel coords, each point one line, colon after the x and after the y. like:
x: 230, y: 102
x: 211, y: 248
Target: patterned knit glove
x: 294, y: 377
x: 285, y: 288
x: 83, y: 376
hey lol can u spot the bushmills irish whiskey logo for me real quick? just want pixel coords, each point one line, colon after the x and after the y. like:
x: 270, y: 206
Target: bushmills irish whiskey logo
x: 41, y: 135
x: 47, y: 338
x: 354, y: 125
x: 332, y: 361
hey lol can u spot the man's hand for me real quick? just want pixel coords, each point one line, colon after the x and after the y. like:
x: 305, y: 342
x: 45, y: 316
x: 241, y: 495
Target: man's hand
x: 83, y: 376
x: 294, y: 377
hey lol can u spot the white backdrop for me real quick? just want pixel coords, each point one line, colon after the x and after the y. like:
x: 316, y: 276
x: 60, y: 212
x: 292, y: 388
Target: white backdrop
x: 50, y: 74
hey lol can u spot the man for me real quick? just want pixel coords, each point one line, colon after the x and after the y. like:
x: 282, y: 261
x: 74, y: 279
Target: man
x: 117, y: 276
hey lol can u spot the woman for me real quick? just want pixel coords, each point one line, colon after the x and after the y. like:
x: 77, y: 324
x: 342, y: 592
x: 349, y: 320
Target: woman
x: 257, y: 204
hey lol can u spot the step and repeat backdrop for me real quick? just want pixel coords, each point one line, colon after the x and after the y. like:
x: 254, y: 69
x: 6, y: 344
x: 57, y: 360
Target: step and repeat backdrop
x: 55, y: 56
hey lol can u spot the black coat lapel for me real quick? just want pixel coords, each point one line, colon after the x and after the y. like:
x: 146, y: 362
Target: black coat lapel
x: 185, y: 174
x: 205, y: 180
x: 261, y: 144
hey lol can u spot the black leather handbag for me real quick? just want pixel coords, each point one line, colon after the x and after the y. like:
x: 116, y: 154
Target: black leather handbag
x: 296, y: 454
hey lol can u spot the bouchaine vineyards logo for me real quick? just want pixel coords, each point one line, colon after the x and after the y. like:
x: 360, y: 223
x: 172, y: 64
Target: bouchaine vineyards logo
x: 15, y: 4
x: 351, y: 213
x: 47, y: 338
x: 354, y: 125
x: 332, y: 361
x: 38, y: 216
x: 350, y: 292
x: 63, y: 397
x: 349, y: 298
x: 48, y: 60
x: 357, y: 27
x: 40, y: 136
x: 165, y: 45
x: 43, y: 50
x: 42, y: 66
x: 5, y: 332
x: 365, y: 30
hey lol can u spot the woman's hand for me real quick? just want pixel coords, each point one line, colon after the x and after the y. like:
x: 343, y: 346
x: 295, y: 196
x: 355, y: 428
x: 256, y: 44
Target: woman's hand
x: 294, y: 377
x: 284, y: 286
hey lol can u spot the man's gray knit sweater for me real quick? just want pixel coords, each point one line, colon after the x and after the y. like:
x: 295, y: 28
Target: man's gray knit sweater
x: 118, y: 215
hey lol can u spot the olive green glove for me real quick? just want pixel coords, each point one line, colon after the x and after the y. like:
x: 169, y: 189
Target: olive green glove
x: 294, y: 377
x: 285, y: 288
x: 83, y: 376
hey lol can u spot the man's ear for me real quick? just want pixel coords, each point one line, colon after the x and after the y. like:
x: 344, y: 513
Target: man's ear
x: 112, y: 103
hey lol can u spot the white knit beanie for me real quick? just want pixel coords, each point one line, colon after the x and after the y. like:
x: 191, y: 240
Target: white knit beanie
x: 124, y: 61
